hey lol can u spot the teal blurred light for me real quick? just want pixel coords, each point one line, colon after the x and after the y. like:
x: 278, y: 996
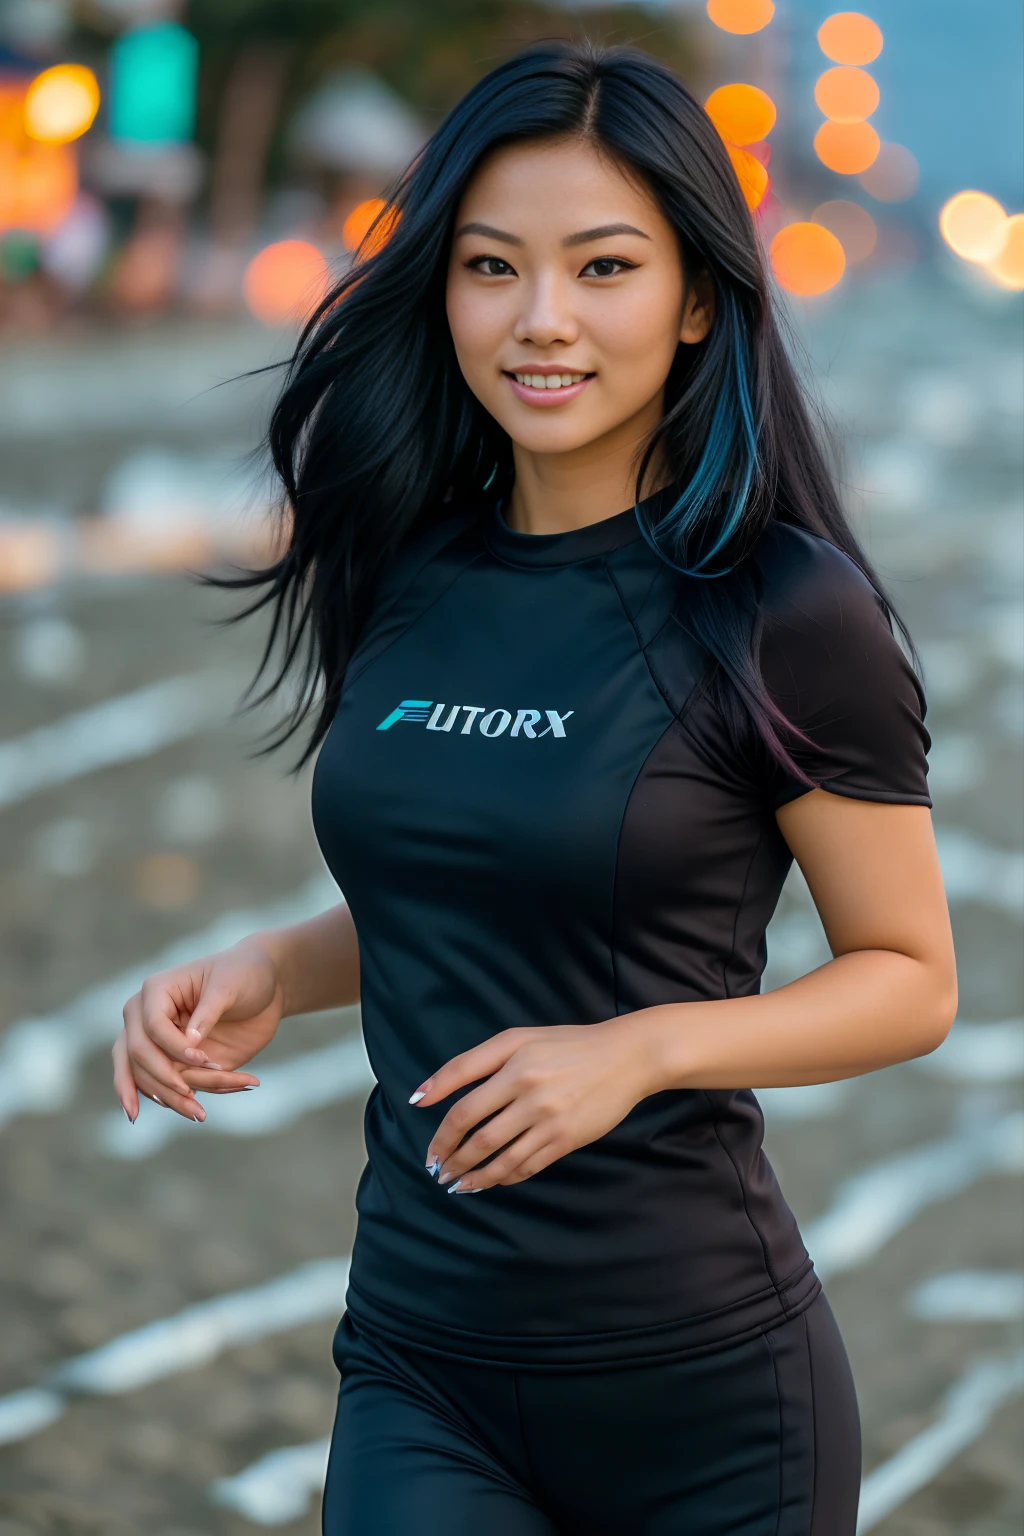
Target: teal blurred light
x: 152, y: 96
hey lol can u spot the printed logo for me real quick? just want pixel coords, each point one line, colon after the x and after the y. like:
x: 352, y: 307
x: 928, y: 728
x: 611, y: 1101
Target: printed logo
x: 490, y: 723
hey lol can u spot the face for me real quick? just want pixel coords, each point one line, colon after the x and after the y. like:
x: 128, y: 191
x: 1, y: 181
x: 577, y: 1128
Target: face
x: 566, y: 296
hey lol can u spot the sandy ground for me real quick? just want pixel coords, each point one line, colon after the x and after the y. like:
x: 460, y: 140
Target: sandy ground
x: 105, y: 870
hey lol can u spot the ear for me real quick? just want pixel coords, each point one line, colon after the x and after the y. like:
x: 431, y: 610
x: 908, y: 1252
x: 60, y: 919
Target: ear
x: 698, y: 309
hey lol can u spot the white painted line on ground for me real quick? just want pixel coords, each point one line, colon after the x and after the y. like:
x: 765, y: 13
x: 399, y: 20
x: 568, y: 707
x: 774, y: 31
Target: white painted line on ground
x: 875, y: 1204
x: 278, y: 1487
x: 979, y: 1053
x: 40, y: 1059
x: 980, y: 874
x: 26, y: 1413
x: 190, y: 1338
x: 288, y: 1090
x: 965, y: 1414
x: 120, y: 730
x: 970, y: 1296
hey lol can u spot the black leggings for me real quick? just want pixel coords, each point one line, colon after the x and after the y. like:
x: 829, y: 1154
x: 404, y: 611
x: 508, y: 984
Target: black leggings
x: 760, y: 1438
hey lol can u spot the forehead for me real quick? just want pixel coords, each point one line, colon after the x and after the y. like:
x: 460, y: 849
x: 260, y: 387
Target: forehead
x: 558, y: 186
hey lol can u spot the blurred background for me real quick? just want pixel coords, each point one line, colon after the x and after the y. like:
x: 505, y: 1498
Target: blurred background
x: 177, y: 182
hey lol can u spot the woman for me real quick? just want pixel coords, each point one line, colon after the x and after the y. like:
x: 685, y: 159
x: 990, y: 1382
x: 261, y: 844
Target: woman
x: 598, y: 658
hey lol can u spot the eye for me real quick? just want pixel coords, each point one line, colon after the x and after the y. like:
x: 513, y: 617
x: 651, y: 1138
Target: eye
x: 490, y: 266
x: 606, y: 266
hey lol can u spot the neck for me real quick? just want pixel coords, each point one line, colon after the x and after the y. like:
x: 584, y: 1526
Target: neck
x: 557, y: 492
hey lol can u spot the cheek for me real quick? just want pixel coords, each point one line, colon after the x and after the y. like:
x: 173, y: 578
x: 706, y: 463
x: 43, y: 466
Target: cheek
x: 477, y: 327
x: 641, y: 333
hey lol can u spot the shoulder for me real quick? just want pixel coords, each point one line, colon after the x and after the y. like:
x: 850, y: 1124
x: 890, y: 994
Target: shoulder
x: 812, y: 587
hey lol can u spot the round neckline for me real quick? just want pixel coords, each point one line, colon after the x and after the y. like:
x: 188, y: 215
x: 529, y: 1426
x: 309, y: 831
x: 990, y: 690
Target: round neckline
x: 566, y: 548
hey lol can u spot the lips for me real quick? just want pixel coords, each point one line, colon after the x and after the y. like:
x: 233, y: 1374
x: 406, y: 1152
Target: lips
x: 547, y: 386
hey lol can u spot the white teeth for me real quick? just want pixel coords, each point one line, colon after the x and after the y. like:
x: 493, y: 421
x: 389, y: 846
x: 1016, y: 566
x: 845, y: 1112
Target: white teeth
x: 549, y: 380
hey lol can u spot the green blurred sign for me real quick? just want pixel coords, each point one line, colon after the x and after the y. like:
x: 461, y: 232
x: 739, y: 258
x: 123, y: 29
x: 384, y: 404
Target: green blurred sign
x: 153, y: 85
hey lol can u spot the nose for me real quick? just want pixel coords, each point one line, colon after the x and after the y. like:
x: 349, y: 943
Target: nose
x: 547, y: 314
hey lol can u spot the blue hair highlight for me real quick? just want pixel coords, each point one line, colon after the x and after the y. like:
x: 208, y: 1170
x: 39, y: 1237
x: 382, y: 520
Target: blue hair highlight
x: 725, y: 472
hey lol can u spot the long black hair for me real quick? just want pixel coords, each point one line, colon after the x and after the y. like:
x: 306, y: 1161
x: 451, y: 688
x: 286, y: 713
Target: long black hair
x: 376, y: 433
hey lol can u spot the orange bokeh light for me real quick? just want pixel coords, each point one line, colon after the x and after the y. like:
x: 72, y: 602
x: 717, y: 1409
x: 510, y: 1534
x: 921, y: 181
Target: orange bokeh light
x: 61, y: 103
x: 357, y: 226
x: 852, y: 226
x: 847, y: 148
x: 807, y: 259
x: 893, y: 176
x: 846, y: 95
x: 974, y: 226
x: 285, y: 281
x: 750, y: 173
x: 1008, y: 266
x: 38, y: 185
x: 741, y: 113
x: 850, y: 38
x: 741, y: 16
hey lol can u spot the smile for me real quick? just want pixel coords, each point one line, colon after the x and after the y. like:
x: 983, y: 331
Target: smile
x: 549, y: 380
x: 547, y: 388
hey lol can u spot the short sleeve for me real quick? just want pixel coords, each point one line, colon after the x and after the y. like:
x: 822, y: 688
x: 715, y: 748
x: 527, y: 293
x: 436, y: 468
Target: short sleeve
x: 832, y: 665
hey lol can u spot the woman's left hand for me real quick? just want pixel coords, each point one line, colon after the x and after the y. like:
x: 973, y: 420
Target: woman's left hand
x: 549, y: 1090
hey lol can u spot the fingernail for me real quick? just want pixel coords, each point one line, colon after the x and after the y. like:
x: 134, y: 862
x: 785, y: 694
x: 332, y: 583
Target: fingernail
x: 419, y: 1094
x: 250, y: 1087
x: 129, y: 1118
x: 455, y: 1187
x: 446, y: 1178
x: 455, y: 1190
x: 159, y: 1101
x: 433, y: 1166
x: 214, y: 1066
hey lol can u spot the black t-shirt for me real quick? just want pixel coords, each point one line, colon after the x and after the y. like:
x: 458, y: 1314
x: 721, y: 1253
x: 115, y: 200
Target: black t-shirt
x: 537, y: 816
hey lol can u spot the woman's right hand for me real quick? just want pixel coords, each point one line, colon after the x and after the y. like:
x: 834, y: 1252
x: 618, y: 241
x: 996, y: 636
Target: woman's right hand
x: 193, y: 1026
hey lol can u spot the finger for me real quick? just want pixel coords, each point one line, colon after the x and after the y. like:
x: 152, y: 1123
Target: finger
x: 543, y: 1158
x: 169, y: 1098
x: 526, y: 1156
x: 208, y: 1080
x: 486, y: 1140
x: 208, y: 1012
x: 124, y: 1083
x: 143, y: 1051
x: 150, y: 1014
x: 470, y: 1066
x: 466, y: 1115
x: 145, y: 1057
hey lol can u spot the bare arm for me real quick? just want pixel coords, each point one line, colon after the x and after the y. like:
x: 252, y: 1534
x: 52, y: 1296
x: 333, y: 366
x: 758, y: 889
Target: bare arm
x: 317, y: 961
x: 888, y: 995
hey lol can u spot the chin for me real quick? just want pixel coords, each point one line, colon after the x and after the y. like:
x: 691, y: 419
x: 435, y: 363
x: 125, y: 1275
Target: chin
x: 551, y: 436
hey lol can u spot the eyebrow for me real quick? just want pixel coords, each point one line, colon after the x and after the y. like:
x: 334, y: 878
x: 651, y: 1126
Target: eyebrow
x: 603, y: 232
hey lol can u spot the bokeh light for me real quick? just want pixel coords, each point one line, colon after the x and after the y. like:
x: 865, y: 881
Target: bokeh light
x: 974, y: 226
x: 847, y: 148
x: 893, y: 176
x: 38, y: 186
x: 807, y: 259
x: 849, y: 37
x: 851, y: 224
x: 845, y: 94
x: 750, y: 173
x: 61, y: 103
x: 356, y: 228
x: 285, y: 281
x: 741, y: 113
x: 741, y: 16
x: 1007, y: 266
